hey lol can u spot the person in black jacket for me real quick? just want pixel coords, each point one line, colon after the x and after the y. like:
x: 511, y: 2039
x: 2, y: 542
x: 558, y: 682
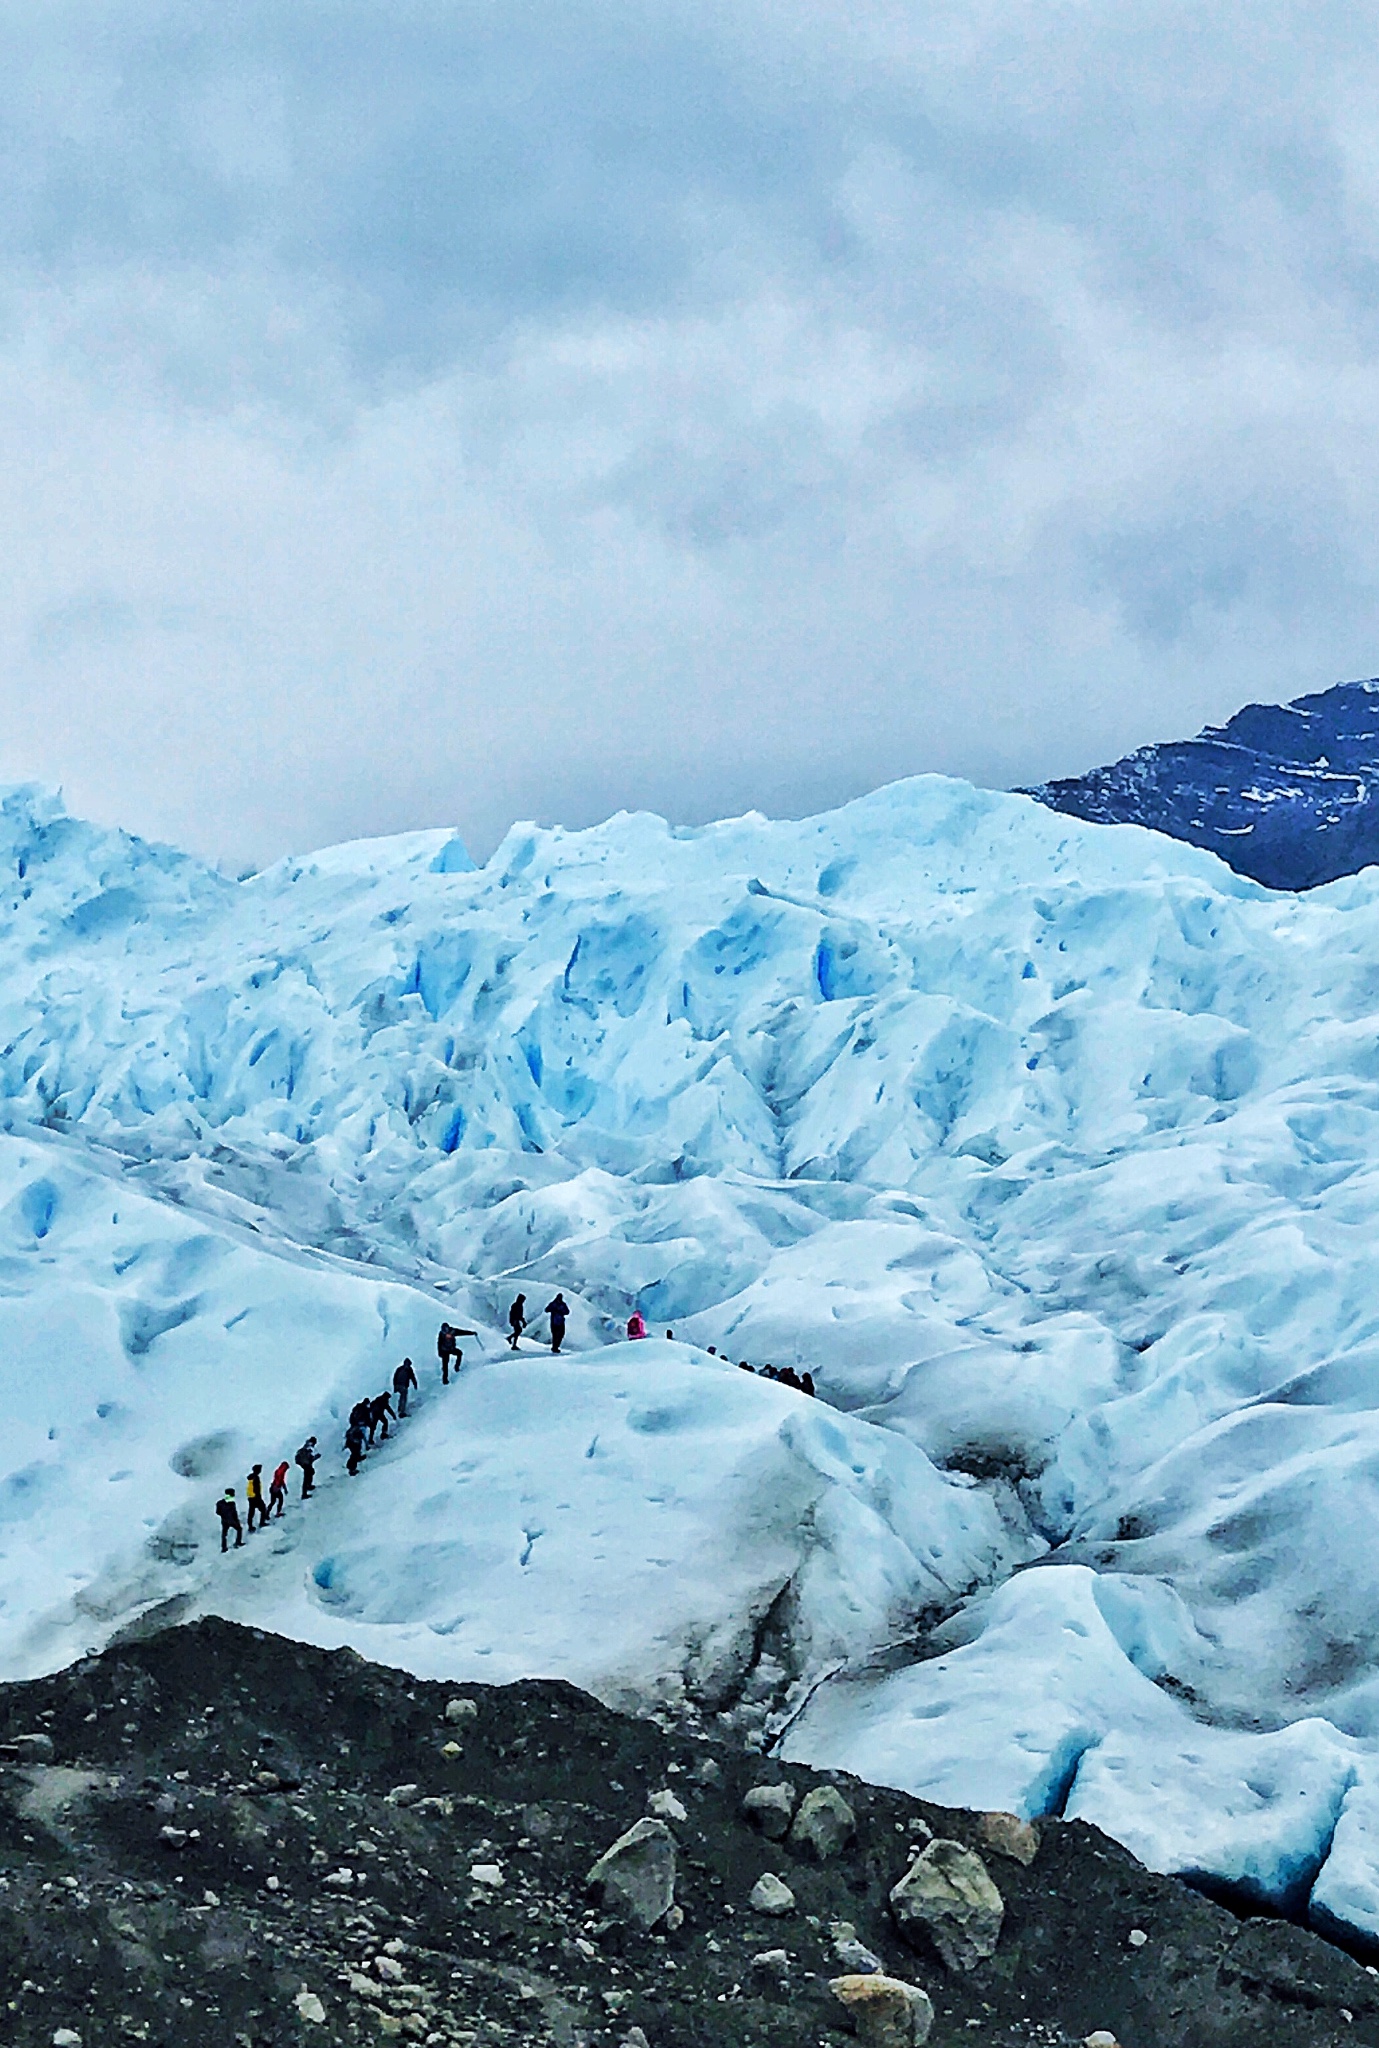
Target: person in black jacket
x: 448, y: 1350
x: 306, y: 1457
x: 228, y: 1512
x: 380, y: 1410
x: 517, y: 1319
x: 354, y: 1444
x: 404, y: 1379
x: 558, y: 1311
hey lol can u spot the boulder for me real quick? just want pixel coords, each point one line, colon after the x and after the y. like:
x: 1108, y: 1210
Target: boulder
x: 856, y: 1958
x: 770, y: 1808
x: 1010, y: 1836
x: 461, y: 1713
x: 886, y: 2012
x: 770, y: 1895
x: 32, y: 1749
x: 946, y: 1900
x: 824, y: 1824
x: 665, y: 1805
x: 636, y: 1876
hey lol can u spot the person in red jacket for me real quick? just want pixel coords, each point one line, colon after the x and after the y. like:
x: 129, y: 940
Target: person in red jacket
x: 636, y: 1324
x: 277, y: 1489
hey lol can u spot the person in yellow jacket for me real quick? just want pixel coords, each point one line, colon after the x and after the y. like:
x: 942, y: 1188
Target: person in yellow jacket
x: 258, y: 1506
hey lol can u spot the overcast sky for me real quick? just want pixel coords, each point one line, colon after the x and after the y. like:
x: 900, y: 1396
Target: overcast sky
x: 451, y: 413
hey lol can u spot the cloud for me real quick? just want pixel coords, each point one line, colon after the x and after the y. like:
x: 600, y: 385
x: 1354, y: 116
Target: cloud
x: 451, y: 413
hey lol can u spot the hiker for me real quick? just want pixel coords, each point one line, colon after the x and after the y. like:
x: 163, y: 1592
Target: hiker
x: 807, y: 1385
x: 359, y: 1414
x: 404, y: 1379
x: 277, y: 1490
x: 354, y: 1444
x: 448, y: 1348
x: 253, y: 1492
x: 517, y: 1319
x: 558, y: 1311
x: 713, y: 1351
x: 670, y: 1336
x: 636, y: 1324
x: 790, y: 1378
x: 306, y: 1457
x: 229, y: 1519
x: 380, y: 1412
x: 743, y: 1366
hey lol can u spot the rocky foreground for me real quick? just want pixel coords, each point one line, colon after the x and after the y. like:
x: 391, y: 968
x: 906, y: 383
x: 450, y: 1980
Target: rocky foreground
x: 215, y: 1835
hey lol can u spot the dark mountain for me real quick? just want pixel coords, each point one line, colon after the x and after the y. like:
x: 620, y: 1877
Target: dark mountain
x: 1285, y: 793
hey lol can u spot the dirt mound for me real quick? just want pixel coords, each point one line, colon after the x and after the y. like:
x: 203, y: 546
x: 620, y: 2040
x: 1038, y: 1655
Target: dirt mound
x: 215, y: 1835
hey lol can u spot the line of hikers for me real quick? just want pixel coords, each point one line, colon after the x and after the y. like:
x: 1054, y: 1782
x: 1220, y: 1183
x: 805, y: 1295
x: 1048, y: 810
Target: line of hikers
x: 559, y: 1312
x: 367, y: 1419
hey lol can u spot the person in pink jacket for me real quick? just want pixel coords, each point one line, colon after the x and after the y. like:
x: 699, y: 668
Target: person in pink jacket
x: 636, y: 1324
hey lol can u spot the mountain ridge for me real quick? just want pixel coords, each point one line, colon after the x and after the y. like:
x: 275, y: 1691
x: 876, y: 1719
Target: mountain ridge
x: 1287, y: 794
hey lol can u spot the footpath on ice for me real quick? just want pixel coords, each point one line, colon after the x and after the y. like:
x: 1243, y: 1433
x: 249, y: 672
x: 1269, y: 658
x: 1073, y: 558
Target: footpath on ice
x: 1048, y: 1148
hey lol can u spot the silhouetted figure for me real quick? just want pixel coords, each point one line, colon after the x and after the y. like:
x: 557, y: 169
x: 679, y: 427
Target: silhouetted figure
x: 790, y: 1378
x: 229, y: 1519
x: 360, y: 1413
x: 380, y: 1412
x: 743, y: 1366
x: 670, y: 1336
x: 404, y: 1379
x: 306, y: 1457
x: 277, y: 1491
x: 517, y: 1319
x: 354, y: 1444
x: 258, y: 1506
x: 448, y: 1348
x: 807, y: 1385
x: 558, y: 1311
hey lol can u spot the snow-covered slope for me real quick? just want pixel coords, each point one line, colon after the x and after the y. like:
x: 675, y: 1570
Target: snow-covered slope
x: 1046, y: 1146
x: 1283, y: 792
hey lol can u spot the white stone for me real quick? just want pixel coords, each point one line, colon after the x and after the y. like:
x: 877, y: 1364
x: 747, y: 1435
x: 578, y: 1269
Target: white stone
x: 771, y: 1895
x: 309, y: 2007
x: 666, y: 1806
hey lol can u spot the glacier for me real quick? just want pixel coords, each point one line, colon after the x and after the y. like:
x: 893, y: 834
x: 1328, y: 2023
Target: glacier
x: 1047, y: 1146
